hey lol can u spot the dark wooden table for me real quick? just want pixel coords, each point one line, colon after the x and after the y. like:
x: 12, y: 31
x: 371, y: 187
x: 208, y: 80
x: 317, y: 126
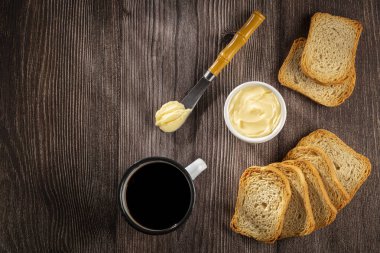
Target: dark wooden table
x: 80, y: 82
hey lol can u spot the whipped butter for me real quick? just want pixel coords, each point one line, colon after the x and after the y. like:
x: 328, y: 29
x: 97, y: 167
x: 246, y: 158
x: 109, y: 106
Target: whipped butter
x: 254, y: 111
x: 171, y: 116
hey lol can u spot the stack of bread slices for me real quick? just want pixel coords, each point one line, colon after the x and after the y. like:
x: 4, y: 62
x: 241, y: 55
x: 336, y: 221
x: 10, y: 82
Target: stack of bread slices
x: 322, y: 67
x: 302, y: 193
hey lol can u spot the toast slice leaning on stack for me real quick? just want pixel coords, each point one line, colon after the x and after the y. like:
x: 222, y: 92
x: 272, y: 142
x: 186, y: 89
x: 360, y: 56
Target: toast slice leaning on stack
x: 324, y: 211
x: 291, y: 76
x: 330, y: 50
x: 336, y: 192
x: 352, y: 168
x: 299, y: 218
x: 263, y: 197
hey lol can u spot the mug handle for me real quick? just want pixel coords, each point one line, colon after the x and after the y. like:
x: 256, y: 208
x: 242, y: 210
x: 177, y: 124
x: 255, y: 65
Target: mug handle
x: 196, y: 168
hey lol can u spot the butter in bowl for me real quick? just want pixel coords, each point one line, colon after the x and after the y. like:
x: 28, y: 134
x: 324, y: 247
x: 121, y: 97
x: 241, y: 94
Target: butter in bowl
x: 255, y: 112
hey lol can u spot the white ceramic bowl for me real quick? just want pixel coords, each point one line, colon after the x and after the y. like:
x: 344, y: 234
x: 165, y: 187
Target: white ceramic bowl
x: 279, y: 126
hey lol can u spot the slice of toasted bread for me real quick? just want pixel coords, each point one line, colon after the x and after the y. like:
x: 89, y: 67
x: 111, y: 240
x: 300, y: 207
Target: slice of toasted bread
x: 337, y: 193
x: 352, y: 168
x: 299, y: 218
x: 324, y: 211
x: 263, y: 198
x: 330, y: 49
x: 291, y: 76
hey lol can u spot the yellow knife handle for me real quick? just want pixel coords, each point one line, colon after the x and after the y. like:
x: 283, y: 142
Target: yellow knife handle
x: 239, y: 40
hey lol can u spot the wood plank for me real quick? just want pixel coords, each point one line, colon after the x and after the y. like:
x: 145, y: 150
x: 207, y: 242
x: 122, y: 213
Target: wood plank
x: 80, y: 82
x: 226, y: 156
x: 171, y: 46
x: 59, y: 121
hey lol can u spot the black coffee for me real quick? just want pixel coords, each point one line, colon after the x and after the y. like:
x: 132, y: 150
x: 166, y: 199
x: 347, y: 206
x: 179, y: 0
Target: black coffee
x: 158, y: 195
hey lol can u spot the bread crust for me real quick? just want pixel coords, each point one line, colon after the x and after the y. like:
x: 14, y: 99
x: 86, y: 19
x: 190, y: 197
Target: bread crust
x: 332, y: 210
x: 321, y: 133
x: 292, y: 154
x: 287, y: 83
x: 309, y: 224
x: 239, y: 202
x: 305, y: 59
x: 300, y: 166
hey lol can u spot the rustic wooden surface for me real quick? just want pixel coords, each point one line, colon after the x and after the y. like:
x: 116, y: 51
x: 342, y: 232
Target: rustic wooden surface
x: 81, y: 80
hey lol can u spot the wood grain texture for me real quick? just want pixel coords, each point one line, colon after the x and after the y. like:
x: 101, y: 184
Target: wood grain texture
x: 59, y: 126
x: 80, y: 82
